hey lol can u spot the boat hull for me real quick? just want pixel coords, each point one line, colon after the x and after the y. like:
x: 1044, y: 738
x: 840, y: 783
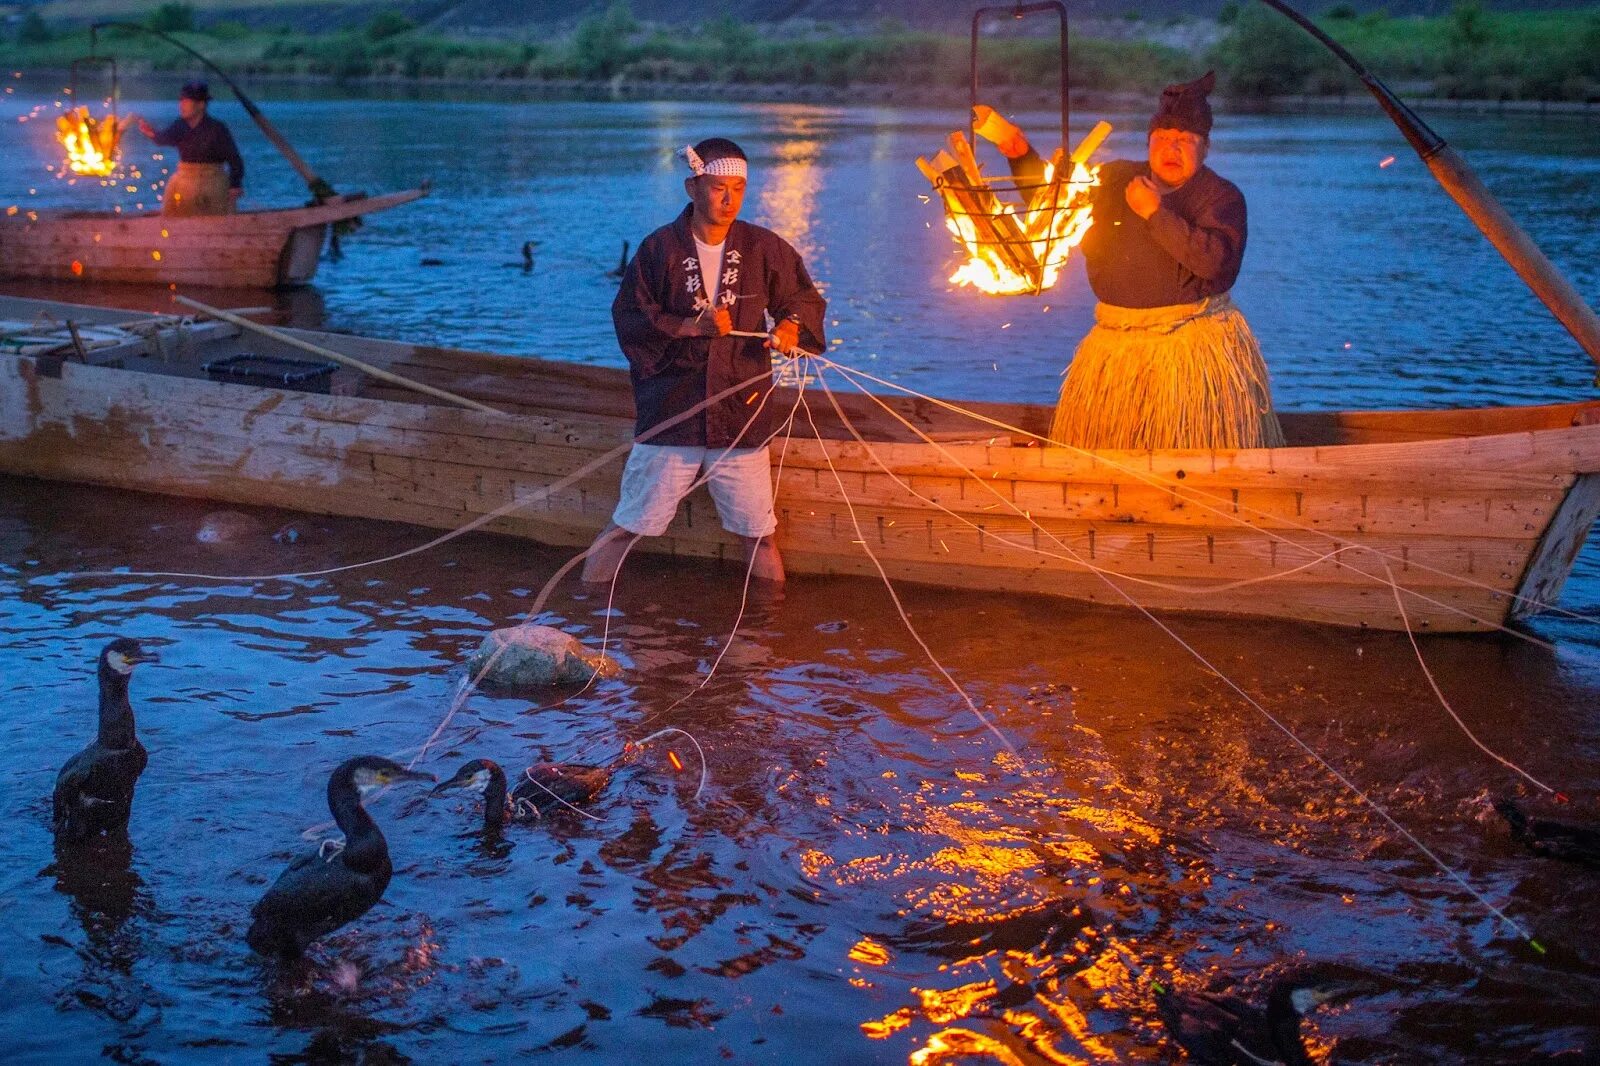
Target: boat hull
x: 252, y: 249
x: 1474, y: 516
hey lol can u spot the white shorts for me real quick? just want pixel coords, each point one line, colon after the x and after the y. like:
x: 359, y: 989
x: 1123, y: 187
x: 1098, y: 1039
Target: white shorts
x: 658, y: 476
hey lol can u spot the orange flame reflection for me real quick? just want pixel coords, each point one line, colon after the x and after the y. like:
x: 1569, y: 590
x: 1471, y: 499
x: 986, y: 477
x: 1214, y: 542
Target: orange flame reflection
x: 91, y: 143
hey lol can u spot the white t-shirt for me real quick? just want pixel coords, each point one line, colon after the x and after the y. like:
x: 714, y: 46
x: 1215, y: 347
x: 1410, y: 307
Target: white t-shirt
x: 710, y: 267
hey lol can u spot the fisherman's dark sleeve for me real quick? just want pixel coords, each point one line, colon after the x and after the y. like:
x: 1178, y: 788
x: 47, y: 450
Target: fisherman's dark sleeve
x: 1211, y: 245
x: 1028, y: 168
x: 230, y: 155
x: 644, y: 329
x: 172, y: 135
x: 792, y: 294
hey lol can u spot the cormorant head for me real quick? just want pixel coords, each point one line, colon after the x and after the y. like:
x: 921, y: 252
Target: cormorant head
x: 368, y: 772
x: 123, y: 654
x: 475, y: 776
x: 1305, y: 988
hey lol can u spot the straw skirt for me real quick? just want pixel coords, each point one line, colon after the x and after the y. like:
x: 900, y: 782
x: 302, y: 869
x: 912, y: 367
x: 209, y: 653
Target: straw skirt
x: 1187, y: 376
x: 197, y: 189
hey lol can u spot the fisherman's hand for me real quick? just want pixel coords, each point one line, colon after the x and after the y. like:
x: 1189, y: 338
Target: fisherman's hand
x: 785, y: 336
x: 722, y: 321
x: 1143, y: 196
x: 146, y: 129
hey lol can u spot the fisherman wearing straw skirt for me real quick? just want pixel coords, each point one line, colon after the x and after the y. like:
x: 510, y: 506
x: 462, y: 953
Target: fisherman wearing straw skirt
x: 199, y: 185
x: 1170, y: 362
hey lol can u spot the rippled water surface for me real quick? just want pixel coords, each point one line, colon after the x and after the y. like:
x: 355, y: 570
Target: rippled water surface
x: 869, y: 874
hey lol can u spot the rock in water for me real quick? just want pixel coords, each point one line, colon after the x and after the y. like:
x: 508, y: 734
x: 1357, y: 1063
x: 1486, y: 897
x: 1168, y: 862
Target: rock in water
x: 227, y: 527
x: 534, y: 657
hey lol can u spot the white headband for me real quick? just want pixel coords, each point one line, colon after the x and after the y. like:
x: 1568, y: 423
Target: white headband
x: 728, y: 166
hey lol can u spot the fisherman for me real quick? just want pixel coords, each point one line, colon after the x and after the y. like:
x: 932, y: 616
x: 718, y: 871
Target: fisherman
x: 199, y: 186
x: 1170, y: 362
x: 692, y: 284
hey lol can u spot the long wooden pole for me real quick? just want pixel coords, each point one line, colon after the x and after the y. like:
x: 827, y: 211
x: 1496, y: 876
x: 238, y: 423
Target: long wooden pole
x: 338, y: 357
x: 1458, y: 179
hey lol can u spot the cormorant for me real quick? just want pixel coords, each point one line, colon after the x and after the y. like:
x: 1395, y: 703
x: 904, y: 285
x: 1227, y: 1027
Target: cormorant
x: 1545, y: 836
x: 543, y: 788
x: 1227, y: 1031
x: 622, y: 264
x: 322, y: 890
x: 94, y: 790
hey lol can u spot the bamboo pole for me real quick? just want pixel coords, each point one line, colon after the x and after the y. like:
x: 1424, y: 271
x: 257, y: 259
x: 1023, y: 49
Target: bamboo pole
x: 1462, y: 184
x: 338, y: 357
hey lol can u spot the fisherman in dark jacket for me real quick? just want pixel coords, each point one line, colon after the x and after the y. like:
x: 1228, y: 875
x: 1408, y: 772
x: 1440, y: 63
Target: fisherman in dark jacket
x: 1170, y: 363
x: 693, y: 283
x: 205, y: 146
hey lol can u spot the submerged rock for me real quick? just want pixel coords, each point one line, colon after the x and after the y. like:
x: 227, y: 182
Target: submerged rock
x: 227, y: 527
x: 536, y: 656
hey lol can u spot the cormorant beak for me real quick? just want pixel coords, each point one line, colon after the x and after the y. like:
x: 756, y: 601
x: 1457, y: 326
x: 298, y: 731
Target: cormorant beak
x: 143, y: 657
x: 410, y: 775
x: 458, y: 781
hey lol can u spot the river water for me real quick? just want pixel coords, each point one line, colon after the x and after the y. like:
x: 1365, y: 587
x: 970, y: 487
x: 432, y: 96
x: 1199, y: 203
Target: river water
x: 869, y: 874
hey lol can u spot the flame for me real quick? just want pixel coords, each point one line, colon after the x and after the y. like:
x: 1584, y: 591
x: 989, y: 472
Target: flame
x: 91, y: 143
x: 1056, y: 222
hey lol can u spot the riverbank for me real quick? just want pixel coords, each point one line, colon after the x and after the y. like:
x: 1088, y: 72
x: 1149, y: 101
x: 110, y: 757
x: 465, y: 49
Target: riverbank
x: 1469, y: 54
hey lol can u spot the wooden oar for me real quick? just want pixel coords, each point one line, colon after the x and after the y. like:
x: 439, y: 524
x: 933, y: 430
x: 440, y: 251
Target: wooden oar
x: 1458, y: 179
x: 338, y: 357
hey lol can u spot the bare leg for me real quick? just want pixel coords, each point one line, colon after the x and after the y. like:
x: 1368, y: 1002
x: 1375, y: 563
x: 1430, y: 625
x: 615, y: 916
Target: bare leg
x: 761, y: 555
x: 606, y: 554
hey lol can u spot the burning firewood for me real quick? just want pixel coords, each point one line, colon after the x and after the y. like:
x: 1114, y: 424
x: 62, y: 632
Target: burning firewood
x: 1014, y: 248
x: 91, y: 143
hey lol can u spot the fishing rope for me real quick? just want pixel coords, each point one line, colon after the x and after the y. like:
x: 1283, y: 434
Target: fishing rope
x: 1199, y: 657
x: 1086, y: 565
x: 1496, y: 756
x: 1169, y: 485
x: 895, y: 596
x: 470, y: 685
x: 1103, y: 572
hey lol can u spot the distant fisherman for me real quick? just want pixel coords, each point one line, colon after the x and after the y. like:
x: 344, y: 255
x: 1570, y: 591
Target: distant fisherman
x: 1171, y: 362
x: 199, y: 186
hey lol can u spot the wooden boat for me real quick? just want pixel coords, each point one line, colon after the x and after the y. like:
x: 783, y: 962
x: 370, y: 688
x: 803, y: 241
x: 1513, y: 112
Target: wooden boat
x: 1477, y: 514
x: 250, y: 249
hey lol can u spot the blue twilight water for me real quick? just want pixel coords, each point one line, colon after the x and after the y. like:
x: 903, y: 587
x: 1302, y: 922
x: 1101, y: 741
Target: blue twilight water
x: 869, y: 876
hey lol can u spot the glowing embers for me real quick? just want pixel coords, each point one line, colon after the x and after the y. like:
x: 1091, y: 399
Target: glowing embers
x: 1015, y: 248
x: 90, y: 143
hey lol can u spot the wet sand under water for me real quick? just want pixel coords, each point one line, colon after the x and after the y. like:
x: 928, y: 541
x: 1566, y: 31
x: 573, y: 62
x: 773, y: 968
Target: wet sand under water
x: 869, y: 876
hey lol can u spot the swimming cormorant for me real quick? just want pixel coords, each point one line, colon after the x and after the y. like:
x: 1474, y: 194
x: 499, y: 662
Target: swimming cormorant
x: 1227, y: 1031
x: 322, y: 889
x: 1545, y: 836
x: 542, y: 788
x: 94, y: 790
x: 622, y: 264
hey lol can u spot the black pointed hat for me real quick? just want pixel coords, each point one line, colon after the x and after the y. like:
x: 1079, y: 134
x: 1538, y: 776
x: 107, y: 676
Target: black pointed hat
x: 1184, y: 106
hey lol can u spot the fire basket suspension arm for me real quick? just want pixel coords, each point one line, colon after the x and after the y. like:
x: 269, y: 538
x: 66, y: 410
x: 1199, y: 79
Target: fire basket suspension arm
x: 320, y: 189
x: 1469, y: 193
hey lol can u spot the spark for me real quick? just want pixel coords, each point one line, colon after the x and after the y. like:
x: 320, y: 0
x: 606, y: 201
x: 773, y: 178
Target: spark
x: 677, y: 763
x: 1388, y: 161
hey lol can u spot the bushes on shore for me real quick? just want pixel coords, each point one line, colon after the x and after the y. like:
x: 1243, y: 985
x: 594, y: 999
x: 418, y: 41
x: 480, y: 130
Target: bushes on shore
x: 1472, y: 52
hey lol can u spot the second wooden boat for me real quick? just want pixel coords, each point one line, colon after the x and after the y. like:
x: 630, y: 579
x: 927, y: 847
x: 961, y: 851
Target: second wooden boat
x: 250, y: 249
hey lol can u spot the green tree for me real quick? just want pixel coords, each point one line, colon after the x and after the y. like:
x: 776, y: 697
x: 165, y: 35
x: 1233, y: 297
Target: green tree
x: 33, y: 30
x: 172, y: 17
x: 1264, y: 54
x: 388, y: 23
x: 600, y: 45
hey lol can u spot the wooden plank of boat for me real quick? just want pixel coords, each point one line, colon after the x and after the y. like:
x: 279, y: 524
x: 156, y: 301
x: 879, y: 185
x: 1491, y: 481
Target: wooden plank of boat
x: 1468, y: 509
x: 249, y: 249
